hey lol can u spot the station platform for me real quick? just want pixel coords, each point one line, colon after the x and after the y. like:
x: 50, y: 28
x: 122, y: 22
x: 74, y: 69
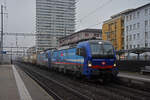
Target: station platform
x: 17, y: 85
x: 134, y: 76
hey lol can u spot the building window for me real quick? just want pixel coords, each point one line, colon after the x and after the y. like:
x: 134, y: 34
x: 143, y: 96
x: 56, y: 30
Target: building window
x: 138, y: 35
x: 146, y: 44
x: 86, y: 35
x: 96, y: 35
x: 134, y: 26
x: 138, y: 46
x: 130, y: 17
x: 127, y: 46
x: 130, y: 46
x: 146, y: 35
x: 134, y: 46
x: 146, y: 11
x: 134, y: 36
x: 127, y: 28
x: 138, y: 25
x: 127, y: 18
x: 138, y: 14
x: 130, y: 27
x: 130, y: 37
x: 134, y: 16
x: 146, y: 23
x: 127, y: 38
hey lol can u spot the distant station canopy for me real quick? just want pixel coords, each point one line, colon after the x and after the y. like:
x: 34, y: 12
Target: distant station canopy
x: 136, y: 51
x: 120, y: 52
x: 139, y: 50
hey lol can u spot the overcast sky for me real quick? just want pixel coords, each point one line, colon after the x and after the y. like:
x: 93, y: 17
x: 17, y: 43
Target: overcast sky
x: 89, y: 14
x: 21, y: 13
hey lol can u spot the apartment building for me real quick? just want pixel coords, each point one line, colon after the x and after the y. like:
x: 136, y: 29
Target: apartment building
x: 113, y: 30
x: 54, y: 18
x: 137, y: 28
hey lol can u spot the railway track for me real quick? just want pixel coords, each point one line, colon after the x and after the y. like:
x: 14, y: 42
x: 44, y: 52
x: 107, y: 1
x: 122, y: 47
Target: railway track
x: 78, y: 88
x: 52, y: 87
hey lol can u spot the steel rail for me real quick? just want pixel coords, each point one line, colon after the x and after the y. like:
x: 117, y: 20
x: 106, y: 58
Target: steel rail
x: 62, y: 85
x: 50, y: 92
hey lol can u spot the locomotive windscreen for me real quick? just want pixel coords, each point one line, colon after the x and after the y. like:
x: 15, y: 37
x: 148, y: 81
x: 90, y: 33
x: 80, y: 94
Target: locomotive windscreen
x: 102, y: 50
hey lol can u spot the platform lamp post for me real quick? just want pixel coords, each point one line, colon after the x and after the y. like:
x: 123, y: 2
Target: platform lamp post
x: 0, y: 53
x: 11, y: 58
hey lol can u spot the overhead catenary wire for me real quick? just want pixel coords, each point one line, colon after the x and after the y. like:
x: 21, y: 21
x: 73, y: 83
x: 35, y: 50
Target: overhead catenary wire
x: 94, y: 11
x: 92, y: 25
x: 91, y: 13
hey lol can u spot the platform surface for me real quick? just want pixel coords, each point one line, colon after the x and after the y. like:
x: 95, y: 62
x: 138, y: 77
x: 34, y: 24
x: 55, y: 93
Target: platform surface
x: 16, y: 85
x: 134, y: 76
x: 8, y: 87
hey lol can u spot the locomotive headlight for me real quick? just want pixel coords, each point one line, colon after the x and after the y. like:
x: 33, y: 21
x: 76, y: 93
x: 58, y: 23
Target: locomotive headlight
x: 115, y: 65
x: 89, y: 64
x: 103, y: 63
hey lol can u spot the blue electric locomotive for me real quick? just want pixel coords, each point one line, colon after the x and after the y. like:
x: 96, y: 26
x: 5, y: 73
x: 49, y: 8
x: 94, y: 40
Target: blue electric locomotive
x: 92, y: 58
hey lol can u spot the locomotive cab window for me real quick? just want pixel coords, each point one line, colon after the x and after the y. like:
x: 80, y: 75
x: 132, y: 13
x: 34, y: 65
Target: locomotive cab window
x: 81, y: 52
x: 102, y: 50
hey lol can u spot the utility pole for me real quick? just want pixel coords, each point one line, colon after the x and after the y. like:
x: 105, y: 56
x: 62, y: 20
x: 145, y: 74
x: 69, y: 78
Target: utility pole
x: 17, y: 44
x: 11, y: 54
x: 2, y: 33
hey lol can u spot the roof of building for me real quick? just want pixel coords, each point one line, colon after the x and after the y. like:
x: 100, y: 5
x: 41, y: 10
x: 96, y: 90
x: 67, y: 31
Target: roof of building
x: 130, y: 10
x: 90, y: 30
x: 111, y: 20
x: 85, y: 30
x: 125, y: 12
x: 121, y: 13
x: 136, y: 51
x: 138, y: 8
x: 118, y: 15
